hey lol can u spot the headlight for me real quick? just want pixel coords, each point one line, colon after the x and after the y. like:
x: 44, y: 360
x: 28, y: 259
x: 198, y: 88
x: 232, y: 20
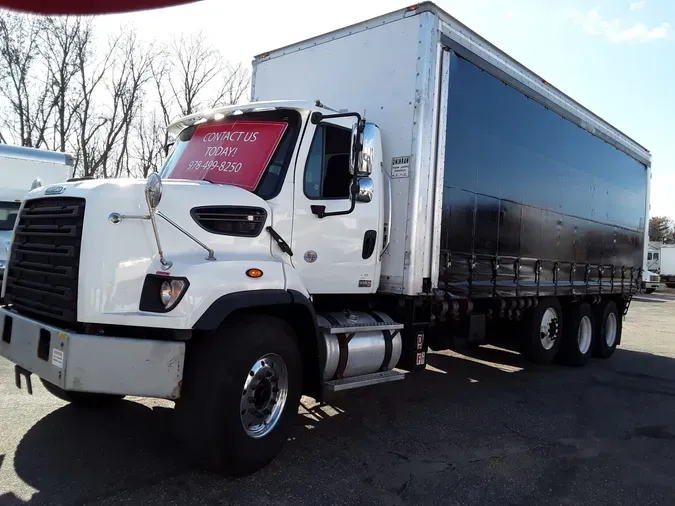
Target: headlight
x: 170, y: 291
x: 161, y: 294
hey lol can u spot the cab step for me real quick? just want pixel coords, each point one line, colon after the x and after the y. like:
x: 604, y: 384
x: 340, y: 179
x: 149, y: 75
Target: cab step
x: 363, y: 381
x: 360, y: 327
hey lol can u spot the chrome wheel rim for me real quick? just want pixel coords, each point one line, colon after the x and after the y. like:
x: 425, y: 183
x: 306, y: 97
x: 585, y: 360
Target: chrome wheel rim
x: 584, y: 335
x: 548, y: 329
x: 610, y: 329
x: 264, y: 395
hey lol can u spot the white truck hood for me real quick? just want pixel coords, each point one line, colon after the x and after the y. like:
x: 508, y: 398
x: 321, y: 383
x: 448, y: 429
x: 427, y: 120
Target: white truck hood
x: 115, y: 258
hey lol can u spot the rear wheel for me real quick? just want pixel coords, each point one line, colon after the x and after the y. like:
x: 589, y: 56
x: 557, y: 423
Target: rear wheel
x: 608, y: 329
x: 543, y: 329
x: 83, y: 399
x: 650, y: 290
x: 241, y: 391
x: 578, y: 339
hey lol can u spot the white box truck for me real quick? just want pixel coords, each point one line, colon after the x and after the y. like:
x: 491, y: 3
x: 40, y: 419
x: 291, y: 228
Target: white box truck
x: 21, y: 170
x: 437, y: 193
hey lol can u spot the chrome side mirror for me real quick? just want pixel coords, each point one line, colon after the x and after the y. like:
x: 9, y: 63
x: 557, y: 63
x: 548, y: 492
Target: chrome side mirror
x: 366, y: 189
x: 153, y: 190
x: 364, y: 138
x: 37, y: 183
x: 369, y: 136
x: 356, y: 147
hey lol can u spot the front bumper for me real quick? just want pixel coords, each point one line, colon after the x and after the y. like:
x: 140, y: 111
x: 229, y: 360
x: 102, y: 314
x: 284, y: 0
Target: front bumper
x: 92, y: 363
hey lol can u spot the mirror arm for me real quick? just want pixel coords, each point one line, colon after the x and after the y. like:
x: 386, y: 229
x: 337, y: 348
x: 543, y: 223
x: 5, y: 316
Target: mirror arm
x: 166, y: 264
x: 320, y: 211
x: 318, y: 117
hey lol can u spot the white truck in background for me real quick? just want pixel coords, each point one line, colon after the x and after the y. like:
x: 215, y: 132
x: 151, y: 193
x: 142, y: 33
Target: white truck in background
x: 650, y: 282
x: 449, y: 196
x: 21, y: 170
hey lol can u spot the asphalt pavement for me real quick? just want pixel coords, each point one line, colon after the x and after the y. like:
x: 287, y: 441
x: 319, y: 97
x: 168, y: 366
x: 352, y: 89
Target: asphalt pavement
x: 484, y: 428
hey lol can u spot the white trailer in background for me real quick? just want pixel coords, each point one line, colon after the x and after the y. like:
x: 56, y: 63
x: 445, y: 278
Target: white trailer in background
x: 21, y: 170
x: 667, y: 263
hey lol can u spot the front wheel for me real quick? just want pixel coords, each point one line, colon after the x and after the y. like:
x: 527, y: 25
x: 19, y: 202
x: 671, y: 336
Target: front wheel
x: 241, y: 390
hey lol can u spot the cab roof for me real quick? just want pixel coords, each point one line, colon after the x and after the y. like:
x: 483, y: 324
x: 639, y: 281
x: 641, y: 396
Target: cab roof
x: 199, y: 117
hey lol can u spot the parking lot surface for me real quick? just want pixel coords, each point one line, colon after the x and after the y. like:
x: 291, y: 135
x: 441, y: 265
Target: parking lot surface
x: 485, y: 427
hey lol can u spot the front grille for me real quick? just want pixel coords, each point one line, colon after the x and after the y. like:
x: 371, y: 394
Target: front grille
x: 654, y: 277
x: 42, y: 271
x: 229, y: 220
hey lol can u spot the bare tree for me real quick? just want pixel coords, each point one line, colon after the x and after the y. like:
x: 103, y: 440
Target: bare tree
x: 27, y: 95
x: 197, y: 64
x: 149, y: 143
x: 192, y: 75
x: 88, y: 122
x: 105, y: 131
x: 110, y: 107
x: 235, y: 83
x: 61, y: 41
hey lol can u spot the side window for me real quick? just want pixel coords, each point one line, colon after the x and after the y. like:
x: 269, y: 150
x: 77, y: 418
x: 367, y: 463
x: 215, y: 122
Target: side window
x: 327, y: 172
x: 656, y: 256
x: 649, y: 256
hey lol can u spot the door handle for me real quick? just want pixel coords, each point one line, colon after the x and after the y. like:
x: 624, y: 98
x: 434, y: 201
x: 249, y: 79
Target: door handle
x: 369, y: 241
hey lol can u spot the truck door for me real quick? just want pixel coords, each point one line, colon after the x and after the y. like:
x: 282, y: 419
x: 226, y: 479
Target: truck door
x: 334, y: 254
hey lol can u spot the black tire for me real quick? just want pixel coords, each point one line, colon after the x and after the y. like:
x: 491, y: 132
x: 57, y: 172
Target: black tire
x: 82, y: 399
x: 650, y: 290
x: 534, y: 348
x: 208, y: 412
x: 604, y: 345
x: 578, y: 338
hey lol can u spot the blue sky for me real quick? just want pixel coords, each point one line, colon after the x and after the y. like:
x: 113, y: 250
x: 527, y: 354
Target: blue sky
x: 616, y: 57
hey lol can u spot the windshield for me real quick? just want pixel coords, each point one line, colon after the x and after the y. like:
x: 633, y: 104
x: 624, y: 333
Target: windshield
x: 251, y: 151
x: 8, y: 213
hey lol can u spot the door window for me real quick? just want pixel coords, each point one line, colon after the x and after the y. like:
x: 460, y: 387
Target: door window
x: 327, y: 172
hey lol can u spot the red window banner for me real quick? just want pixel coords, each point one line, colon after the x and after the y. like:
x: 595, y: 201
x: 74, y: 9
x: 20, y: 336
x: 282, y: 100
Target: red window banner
x: 234, y: 153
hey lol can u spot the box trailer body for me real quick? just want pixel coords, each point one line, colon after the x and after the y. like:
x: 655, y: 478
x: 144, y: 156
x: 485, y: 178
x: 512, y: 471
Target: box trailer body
x: 394, y: 187
x: 667, y: 262
x: 501, y: 184
x: 21, y: 170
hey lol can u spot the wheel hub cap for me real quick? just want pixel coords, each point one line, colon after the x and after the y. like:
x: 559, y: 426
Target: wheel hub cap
x: 610, y: 330
x: 264, y: 395
x: 549, y: 328
x: 584, y: 335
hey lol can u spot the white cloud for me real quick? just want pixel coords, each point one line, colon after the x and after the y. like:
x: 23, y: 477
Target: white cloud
x: 594, y: 23
x: 634, y: 6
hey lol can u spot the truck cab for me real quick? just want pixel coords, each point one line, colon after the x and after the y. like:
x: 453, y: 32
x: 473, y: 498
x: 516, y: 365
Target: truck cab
x: 259, y: 211
x: 312, y: 174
